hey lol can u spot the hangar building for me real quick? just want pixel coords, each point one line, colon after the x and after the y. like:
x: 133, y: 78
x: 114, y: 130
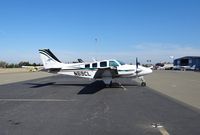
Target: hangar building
x: 188, y: 61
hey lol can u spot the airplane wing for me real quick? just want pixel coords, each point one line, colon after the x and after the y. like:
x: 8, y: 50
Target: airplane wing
x: 33, y: 68
x: 106, y: 72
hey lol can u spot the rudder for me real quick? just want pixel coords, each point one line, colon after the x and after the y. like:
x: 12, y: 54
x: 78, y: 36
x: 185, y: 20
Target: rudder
x: 49, y: 60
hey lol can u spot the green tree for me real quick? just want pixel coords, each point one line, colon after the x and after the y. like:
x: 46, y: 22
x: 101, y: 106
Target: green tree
x: 24, y: 63
x: 3, y: 64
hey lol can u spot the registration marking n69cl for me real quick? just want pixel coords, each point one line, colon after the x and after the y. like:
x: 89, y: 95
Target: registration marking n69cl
x: 81, y: 73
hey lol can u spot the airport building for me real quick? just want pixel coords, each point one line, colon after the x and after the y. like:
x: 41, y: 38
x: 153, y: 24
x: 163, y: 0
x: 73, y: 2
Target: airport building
x: 188, y: 62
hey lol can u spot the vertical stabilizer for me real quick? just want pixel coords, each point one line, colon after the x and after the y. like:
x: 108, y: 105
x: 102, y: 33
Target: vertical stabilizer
x: 49, y: 60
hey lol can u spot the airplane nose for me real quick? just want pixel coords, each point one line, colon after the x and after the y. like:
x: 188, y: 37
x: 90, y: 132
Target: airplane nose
x: 145, y: 71
x: 150, y: 70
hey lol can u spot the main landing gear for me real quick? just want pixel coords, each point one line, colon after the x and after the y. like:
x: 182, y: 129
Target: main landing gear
x: 110, y: 84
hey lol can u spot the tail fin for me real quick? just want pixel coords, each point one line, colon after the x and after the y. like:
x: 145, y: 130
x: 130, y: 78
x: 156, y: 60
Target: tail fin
x: 49, y: 60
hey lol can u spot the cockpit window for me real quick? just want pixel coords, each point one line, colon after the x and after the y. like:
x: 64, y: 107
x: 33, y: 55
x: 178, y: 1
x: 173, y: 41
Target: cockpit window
x: 113, y: 64
x: 120, y: 62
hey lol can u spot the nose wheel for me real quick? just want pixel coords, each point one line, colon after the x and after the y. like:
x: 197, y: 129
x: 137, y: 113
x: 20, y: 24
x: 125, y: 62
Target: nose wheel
x: 143, y: 84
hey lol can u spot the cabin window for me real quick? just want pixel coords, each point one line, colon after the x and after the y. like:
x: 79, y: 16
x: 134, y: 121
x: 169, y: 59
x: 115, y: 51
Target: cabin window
x: 94, y: 65
x: 87, y: 66
x: 113, y: 64
x: 103, y: 64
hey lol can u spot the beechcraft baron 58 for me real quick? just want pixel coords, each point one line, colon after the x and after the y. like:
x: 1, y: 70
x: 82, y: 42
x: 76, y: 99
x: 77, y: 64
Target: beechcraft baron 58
x: 107, y: 70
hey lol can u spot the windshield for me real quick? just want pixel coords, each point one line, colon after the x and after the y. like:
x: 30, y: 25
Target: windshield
x: 120, y: 62
x: 113, y: 64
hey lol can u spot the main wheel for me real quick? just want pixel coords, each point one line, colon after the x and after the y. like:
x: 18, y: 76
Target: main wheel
x: 110, y: 85
x: 143, y: 84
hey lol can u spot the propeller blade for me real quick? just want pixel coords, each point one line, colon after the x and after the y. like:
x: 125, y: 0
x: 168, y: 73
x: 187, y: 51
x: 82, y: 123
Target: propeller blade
x: 136, y: 63
x: 137, y: 70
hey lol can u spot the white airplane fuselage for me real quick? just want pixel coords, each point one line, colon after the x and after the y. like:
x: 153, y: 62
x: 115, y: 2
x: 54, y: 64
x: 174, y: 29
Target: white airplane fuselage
x: 105, y: 69
x: 80, y: 70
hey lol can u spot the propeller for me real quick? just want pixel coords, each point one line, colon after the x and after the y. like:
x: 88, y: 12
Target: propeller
x: 137, y: 70
x: 136, y: 63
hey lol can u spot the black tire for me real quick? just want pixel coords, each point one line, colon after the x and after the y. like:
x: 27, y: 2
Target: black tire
x: 143, y: 84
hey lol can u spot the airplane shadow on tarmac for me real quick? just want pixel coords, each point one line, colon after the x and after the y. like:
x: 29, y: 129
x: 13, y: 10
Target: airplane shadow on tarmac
x: 90, y: 88
x: 38, y: 85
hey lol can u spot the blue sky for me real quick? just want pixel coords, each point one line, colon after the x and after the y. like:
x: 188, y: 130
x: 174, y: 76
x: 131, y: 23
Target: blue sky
x: 121, y: 29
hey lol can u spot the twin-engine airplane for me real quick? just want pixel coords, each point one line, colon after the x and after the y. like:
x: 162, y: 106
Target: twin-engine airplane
x: 106, y: 70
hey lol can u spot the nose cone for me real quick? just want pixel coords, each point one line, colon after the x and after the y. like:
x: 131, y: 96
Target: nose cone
x: 149, y: 70
x: 146, y: 71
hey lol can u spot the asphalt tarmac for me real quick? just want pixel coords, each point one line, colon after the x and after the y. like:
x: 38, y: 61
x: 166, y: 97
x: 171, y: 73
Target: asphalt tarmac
x: 62, y: 105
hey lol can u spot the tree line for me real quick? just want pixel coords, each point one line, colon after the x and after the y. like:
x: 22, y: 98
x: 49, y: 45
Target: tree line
x: 4, y: 64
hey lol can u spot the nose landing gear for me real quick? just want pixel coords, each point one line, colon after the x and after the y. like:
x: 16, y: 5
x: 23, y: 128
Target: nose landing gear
x: 143, y: 83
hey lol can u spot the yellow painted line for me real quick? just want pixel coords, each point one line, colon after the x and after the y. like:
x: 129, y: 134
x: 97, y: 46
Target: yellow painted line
x: 163, y: 131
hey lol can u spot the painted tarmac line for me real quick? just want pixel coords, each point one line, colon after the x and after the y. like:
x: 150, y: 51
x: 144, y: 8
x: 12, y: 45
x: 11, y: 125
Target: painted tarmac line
x: 36, y: 100
x: 163, y: 131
